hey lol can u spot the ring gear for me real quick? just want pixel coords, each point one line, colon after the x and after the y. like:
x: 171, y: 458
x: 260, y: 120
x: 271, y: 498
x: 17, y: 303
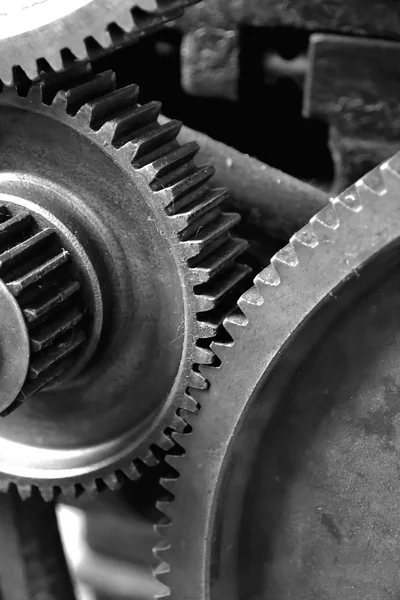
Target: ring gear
x: 166, y: 264
x: 288, y: 485
x: 31, y: 30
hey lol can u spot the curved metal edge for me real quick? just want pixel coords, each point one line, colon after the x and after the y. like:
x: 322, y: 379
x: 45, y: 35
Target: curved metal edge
x: 184, y: 248
x: 349, y: 232
x: 72, y: 30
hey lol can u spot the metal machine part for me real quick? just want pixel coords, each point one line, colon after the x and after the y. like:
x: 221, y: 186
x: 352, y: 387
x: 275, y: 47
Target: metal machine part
x: 289, y: 481
x: 51, y: 308
x: 31, y: 30
x: 32, y: 561
x: 160, y: 273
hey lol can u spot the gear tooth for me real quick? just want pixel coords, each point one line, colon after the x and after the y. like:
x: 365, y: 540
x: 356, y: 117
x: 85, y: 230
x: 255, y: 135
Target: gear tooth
x: 208, y: 237
x: 235, y: 322
x: 306, y: 237
x: 251, y: 297
x: 60, y: 100
x: 207, y: 330
x: 211, y: 200
x: 391, y: 174
x: 111, y: 105
x: 350, y: 202
x: 327, y: 217
x: 167, y: 164
x: 147, y: 142
x: 34, y: 94
x: 196, y: 380
x: 268, y: 277
x: 209, y: 295
x: 222, y: 256
x: 221, y: 350
x: 111, y: 481
x: 126, y: 126
x: 165, y: 442
x: 89, y: 91
x: 187, y: 189
x: 131, y: 472
x: 46, y: 491
x: 188, y: 403
x: 203, y: 356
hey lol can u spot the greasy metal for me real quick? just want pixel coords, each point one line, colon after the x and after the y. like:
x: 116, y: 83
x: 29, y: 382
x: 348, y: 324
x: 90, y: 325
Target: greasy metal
x: 58, y: 312
x: 32, y: 561
x: 270, y: 200
x: 166, y: 263
x: 352, y: 84
x: 30, y: 30
x: 288, y: 485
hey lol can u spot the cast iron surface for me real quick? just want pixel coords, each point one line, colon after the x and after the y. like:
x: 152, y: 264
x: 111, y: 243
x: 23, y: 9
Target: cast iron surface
x: 31, y: 30
x: 289, y: 480
x: 166, y: 264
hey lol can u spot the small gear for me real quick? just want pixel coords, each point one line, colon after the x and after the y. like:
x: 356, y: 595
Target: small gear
x: 45, y: 320
x: 157, y: 256
x: 31, y: 30
x: 288, y: 485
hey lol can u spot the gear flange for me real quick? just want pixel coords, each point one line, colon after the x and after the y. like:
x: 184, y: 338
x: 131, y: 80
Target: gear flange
x: 288, y: 484
x: 166, y: 265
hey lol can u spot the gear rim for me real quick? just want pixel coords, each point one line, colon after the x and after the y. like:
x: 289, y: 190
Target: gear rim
x: 355, y: 229
x: 212, y: 279
x: 85, y: 32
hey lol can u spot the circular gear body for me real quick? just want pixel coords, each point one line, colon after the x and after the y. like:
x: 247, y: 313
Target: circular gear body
x: 31, y: 30
x: 163, y: 254
x: 289, y: 483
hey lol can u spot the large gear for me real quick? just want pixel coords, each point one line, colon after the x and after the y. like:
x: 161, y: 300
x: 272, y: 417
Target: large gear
x: 31, y: 30
x: 161, y: 250
x: 288, y: 486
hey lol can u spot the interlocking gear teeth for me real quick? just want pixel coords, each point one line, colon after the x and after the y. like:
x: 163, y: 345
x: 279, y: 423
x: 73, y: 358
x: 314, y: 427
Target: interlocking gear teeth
x: 186, y: 210
x: 87, y: 32
x: 37, y: 271
x: 350, y: 231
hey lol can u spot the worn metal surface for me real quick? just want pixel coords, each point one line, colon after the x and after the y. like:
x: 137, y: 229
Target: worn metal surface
x: 353, y: 84
x: 166, y: 262
x: 31, y: 30
x: 289, y: 480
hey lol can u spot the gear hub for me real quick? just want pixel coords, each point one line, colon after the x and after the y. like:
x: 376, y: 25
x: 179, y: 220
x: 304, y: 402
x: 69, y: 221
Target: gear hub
x: 50, y: 319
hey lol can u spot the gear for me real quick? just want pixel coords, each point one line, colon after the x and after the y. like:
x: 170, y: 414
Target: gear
x: 31, y: 30
x: 288, y: 485
x: 45, y: 329
x: 32, y: 561
x: 159, y: 247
